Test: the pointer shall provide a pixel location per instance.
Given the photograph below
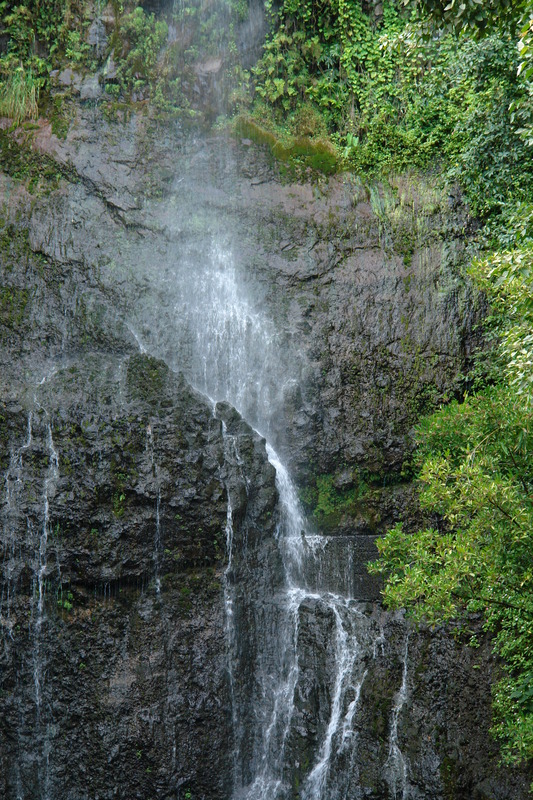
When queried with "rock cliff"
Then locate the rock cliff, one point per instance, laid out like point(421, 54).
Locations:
point(116, 678)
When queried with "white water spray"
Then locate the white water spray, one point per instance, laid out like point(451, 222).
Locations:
point(233, 353)
point(228, 349)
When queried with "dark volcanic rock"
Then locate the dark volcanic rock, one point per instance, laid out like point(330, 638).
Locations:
point(116, 653)
point(374, 321)
point(113, 667)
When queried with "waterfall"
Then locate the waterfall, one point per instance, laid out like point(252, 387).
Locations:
point(231, 351)
point(222, 340)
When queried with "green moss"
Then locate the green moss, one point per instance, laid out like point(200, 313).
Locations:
point(416, 387)
point(329, 504)
point(119, 499)
point(405, 241)
point(147, 378)
point(40, 172)
point(298, 151)
point(332, 503)
point(13, 302)
point(60, 115)
point(448, 774)
point(410, 210)
point(14, 244)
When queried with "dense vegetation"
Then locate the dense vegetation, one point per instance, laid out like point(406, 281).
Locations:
point(393, 98)
point(132, 53)
point(476, 471)
point(36, 36)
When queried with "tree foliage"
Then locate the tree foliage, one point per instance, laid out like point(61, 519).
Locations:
point(507, 278)
point(393, 99)
point(477, 18)
point(476, 474)
point(474, 16)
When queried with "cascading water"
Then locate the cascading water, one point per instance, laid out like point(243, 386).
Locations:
point(42, 725)
point(232, 352)
point(49, 483)
point(231, 456)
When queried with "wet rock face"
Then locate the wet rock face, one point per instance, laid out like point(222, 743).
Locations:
point(113, 665)
point(442, 720)
point(415, 716)
point(369, 294)
point(370, 321)
point(373, 321)
point(115, 675)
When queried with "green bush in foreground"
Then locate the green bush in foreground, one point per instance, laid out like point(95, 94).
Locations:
point(476, 474)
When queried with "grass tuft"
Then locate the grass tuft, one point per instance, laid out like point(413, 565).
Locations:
point(19, 95)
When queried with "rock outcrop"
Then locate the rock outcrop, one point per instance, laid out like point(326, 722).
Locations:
point(113, 632)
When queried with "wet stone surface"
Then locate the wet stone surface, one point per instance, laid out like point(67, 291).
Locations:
point(120, 675)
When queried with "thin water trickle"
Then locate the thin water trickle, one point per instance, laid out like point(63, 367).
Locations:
point(156, 557)
point(43, 725)
point(13, 485)
point(396, 764)
point(49, 483)
point(142, 348)
point(348, 733)
point(157, 541)
point(231, 452)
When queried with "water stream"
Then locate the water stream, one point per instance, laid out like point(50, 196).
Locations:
point(233, 353)
point(396, 766)
point(42, 565)
point(43, 726)
point(231, 454)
